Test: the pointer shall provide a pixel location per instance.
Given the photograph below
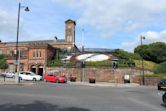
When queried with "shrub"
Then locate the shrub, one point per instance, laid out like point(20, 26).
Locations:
point(51, 63)
point(3, 63)
point(147, 64)
point(99, 64)
point(161, 68)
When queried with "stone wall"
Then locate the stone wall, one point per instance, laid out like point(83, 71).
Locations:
point(150, 81)
point(101, 74)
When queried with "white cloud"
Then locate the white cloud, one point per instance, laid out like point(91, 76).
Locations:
point(8, 27)
point(114, 16)
point(7, 24)
point(150, 37)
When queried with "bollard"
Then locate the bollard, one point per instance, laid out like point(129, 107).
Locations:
point(4, 77)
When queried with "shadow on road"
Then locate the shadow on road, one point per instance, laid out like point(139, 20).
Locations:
point(38, 106)
point(163, 105)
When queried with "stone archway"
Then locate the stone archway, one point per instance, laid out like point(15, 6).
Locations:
point(33, 68)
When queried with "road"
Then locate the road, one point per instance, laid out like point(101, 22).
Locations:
point(66, 97)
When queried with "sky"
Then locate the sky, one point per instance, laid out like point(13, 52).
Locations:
point(112, 24)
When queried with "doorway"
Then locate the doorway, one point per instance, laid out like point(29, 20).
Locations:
point(40, 70)
point(33, 69)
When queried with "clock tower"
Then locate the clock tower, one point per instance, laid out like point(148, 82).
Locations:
point(70, 31)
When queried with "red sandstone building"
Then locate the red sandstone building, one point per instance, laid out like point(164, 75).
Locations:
point(33, 55)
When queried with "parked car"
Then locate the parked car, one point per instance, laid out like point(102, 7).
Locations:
point(164, 98)
point(30, 76)
point(8, 74)
point(162, 85)
point(54, 78)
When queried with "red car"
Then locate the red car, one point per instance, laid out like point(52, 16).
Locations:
point(54, 78)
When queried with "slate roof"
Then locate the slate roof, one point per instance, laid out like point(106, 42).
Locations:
point(51, 42)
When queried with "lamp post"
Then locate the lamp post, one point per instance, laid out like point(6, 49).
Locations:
point(143, 76)
point(83, 61)
point(18, 23)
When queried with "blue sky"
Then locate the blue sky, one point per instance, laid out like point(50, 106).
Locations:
point(107, 23)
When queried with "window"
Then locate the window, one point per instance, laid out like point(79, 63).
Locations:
point(21, 53)
point(8, 52)
point(27, 73)
point(40, 53)
point(70, 39)
point(37, 53)
point(34, 54)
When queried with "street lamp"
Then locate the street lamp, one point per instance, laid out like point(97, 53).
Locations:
point(82, 48)
point(83, 61)
point(18, 23)
point(143, 76)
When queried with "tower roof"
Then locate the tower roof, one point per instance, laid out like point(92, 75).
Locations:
point(70, 21)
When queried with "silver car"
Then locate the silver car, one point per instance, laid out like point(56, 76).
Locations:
point(30, 76)
point(9, 74)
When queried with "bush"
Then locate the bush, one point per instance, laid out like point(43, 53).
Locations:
point(147, 64)
point(126, 63)
point(161, 68)
point(99, 64)
point(121, 54)
point(52, 63)
point(3, 63)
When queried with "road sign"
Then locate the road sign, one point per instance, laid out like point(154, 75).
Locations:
point(16, 62)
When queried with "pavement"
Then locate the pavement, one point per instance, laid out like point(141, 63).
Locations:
point(11, 81)
point(105, 84)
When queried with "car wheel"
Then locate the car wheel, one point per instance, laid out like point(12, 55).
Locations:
point(164, 98)
point(20, 78)
point(34, 79)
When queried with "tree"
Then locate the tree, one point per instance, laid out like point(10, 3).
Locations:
point(155, 52)
point(3, 64)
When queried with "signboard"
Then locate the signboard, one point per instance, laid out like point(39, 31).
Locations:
point(126, 77)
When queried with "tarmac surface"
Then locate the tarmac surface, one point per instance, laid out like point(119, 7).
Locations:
point(42, 96)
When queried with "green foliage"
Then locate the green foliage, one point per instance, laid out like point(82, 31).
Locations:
point(161, 68)
point(3, 64)
point(52, 63)
point(147, 64)
point(99, 64)
point(121, 54)
point(155, 52)
point(126, 59)
point(62, 53)
point(125, 63)
point(70, 64)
